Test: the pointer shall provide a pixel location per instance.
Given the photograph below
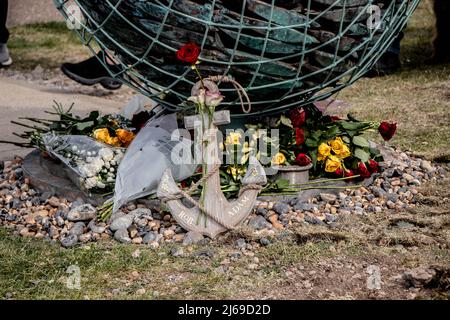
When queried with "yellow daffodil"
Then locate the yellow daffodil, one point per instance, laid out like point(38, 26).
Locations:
point(126, 137)
point(233, 138)
point(332, 164)
point(323, 151)
point(233, 171)
point(336, 145)
point(278, 159)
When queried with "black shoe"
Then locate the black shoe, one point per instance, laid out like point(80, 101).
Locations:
point(90, 72)
point(389, 63)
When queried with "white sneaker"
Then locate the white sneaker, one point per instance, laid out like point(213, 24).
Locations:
point(5, 59)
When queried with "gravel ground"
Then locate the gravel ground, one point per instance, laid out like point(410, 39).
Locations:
point(37, 215)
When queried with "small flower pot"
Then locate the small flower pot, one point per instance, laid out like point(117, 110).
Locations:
point(294, 174)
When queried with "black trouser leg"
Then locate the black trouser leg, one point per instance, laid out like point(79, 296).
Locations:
point(442, 38)
point(4, 34)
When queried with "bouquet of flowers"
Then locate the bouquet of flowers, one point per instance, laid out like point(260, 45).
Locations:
point(94, 164)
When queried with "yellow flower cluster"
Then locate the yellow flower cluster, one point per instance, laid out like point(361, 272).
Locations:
point(123, 137)
point(333, 152)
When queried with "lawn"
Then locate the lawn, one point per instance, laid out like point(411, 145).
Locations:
point(310, 262)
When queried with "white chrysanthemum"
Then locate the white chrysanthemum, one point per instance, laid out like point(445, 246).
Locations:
point(91, 183)
point(86, 170)
point(101, 185)
point(97, 164)
point(106, 154)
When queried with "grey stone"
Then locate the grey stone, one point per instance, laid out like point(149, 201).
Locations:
point(426, 165)
point(139, 212)
point(392, 197)
point(95, 228)
point(368, 181)
point(122, 222)
point(419, 277)
point(262, 212)
point(264, 241)
point(149, 237)
point(77, 229)
point(330, 217)
point(241, 243)
point(177, 252)
point(82, 213)
point(59, 221)
point(378, 192)
point(69, 241)
point(204, 253)
point(304, 206)
point(386, 186)
point(281, 208)
point(328, 197)
point(122, 236)
point(314, 220)
point(192, 237)
point(259, 223)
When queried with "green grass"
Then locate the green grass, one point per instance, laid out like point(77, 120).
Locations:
point(44, 44)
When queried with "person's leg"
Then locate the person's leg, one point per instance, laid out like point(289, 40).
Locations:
point(442, 39)
point(4, 34)
point(5, 59)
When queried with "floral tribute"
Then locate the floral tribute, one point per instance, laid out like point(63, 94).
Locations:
point(333, 147)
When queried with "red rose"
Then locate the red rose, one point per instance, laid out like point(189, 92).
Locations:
point(335, 118)
point(299, 136)
point(387, 130)
point(349, 173)
point(339, 172)
point(302, 159)
point(298, 117)
point(189, 53)
point(183, 184)
point(373, 166)
point(139, 120)
point(362, 171)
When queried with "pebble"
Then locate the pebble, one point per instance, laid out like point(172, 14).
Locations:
point(328, 197)
point(149, 237)
point(259, 223)
point(192, 237)
point(122, 236)
point(82, 213)
point(264, 241)
point(69, 241)
point(177, 252)
point(281, 208)
point(122, 222)
point(77, 229)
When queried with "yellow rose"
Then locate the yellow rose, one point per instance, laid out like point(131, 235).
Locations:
point(278, 159)
point(345, 152)
point(336, 145)
point(101, 135)
point(125, 136)
point(333, 163)
point(323, 151)
point(233, 138)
